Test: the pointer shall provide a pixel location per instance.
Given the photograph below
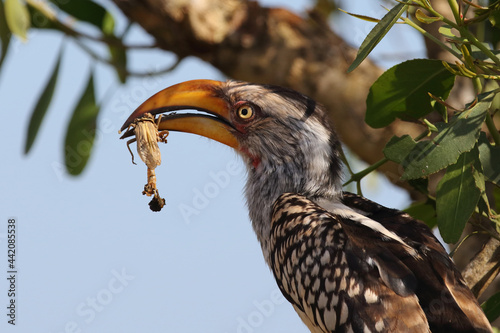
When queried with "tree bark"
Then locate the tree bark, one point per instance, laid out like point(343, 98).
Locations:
point(270, 45)
point(481, 271)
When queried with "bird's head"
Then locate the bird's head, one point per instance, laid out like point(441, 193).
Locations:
point(283, 136)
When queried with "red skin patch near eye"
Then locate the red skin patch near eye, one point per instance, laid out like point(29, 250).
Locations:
point(254, 159)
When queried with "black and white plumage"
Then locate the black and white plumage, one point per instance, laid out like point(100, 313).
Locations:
point(345, 263)
point(346, 275)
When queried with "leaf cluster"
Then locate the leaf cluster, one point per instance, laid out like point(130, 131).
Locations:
point(464, 143)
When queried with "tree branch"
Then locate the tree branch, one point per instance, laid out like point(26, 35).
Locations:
point(481, 271)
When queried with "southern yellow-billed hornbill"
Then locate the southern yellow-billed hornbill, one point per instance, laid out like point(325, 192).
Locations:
point(345, 263)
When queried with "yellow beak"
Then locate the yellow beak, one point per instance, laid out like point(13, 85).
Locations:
point(201, 95)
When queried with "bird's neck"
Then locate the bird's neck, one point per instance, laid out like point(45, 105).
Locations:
point(315, 174)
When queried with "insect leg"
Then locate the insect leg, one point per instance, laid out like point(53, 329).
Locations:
point(128, 146)
point(158, 120)
point(162, 136)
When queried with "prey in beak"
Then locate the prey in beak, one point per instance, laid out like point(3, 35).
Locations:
point(199, 95)
point(147, 136)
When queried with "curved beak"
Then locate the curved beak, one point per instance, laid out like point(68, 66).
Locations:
point(201, 95)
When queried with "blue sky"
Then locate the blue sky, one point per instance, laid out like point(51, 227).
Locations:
point(91, 255)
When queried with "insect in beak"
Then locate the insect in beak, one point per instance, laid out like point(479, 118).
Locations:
point(147, 136)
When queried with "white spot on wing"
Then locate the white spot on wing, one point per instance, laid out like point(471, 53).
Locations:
point(379, 325)
point(330, 319)
point(329, 285)
point(343, 283)
point(344, 312)
point(354, 290)
point(325, 258)
point(315, 270)
point(322, 300)
point(315, 286)
point(370, 296)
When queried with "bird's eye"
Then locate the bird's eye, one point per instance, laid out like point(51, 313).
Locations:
point(245, 112)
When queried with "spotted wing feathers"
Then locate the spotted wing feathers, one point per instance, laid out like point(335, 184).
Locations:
point(344, 273)
point(448, 303)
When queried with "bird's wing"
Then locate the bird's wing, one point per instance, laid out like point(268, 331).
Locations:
point(447, 301)
point(333, 284)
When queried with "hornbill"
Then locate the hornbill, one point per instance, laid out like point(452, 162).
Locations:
point(345, 263)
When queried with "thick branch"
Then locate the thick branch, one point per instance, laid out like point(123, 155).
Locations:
point(481, 271)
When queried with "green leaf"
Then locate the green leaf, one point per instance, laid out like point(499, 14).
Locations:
point(478, 54)
point(496, 196)
point(397, 148)
point(403, 91)
point(420, 184)
point(456, 137)
point(119, 59)
point(492, 30)
point(361, 17)
point(490, 159)
point(4, 34)
point(447, 31)
point(422, 17)
point(108, 24)
point(457, 196)
point(84, 10)
point(17, 17)
point(491, 307)
point(41, 106)
point(81, 131)
point(483, 204)
point(493, 85)
point(424, 211)
point(117, 54)
point(377, 33)
point(441, 109)
point(494, 17)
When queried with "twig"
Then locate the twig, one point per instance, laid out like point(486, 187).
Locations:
point(97, 57)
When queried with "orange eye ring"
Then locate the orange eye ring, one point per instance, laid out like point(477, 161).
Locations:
point(245, 112)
